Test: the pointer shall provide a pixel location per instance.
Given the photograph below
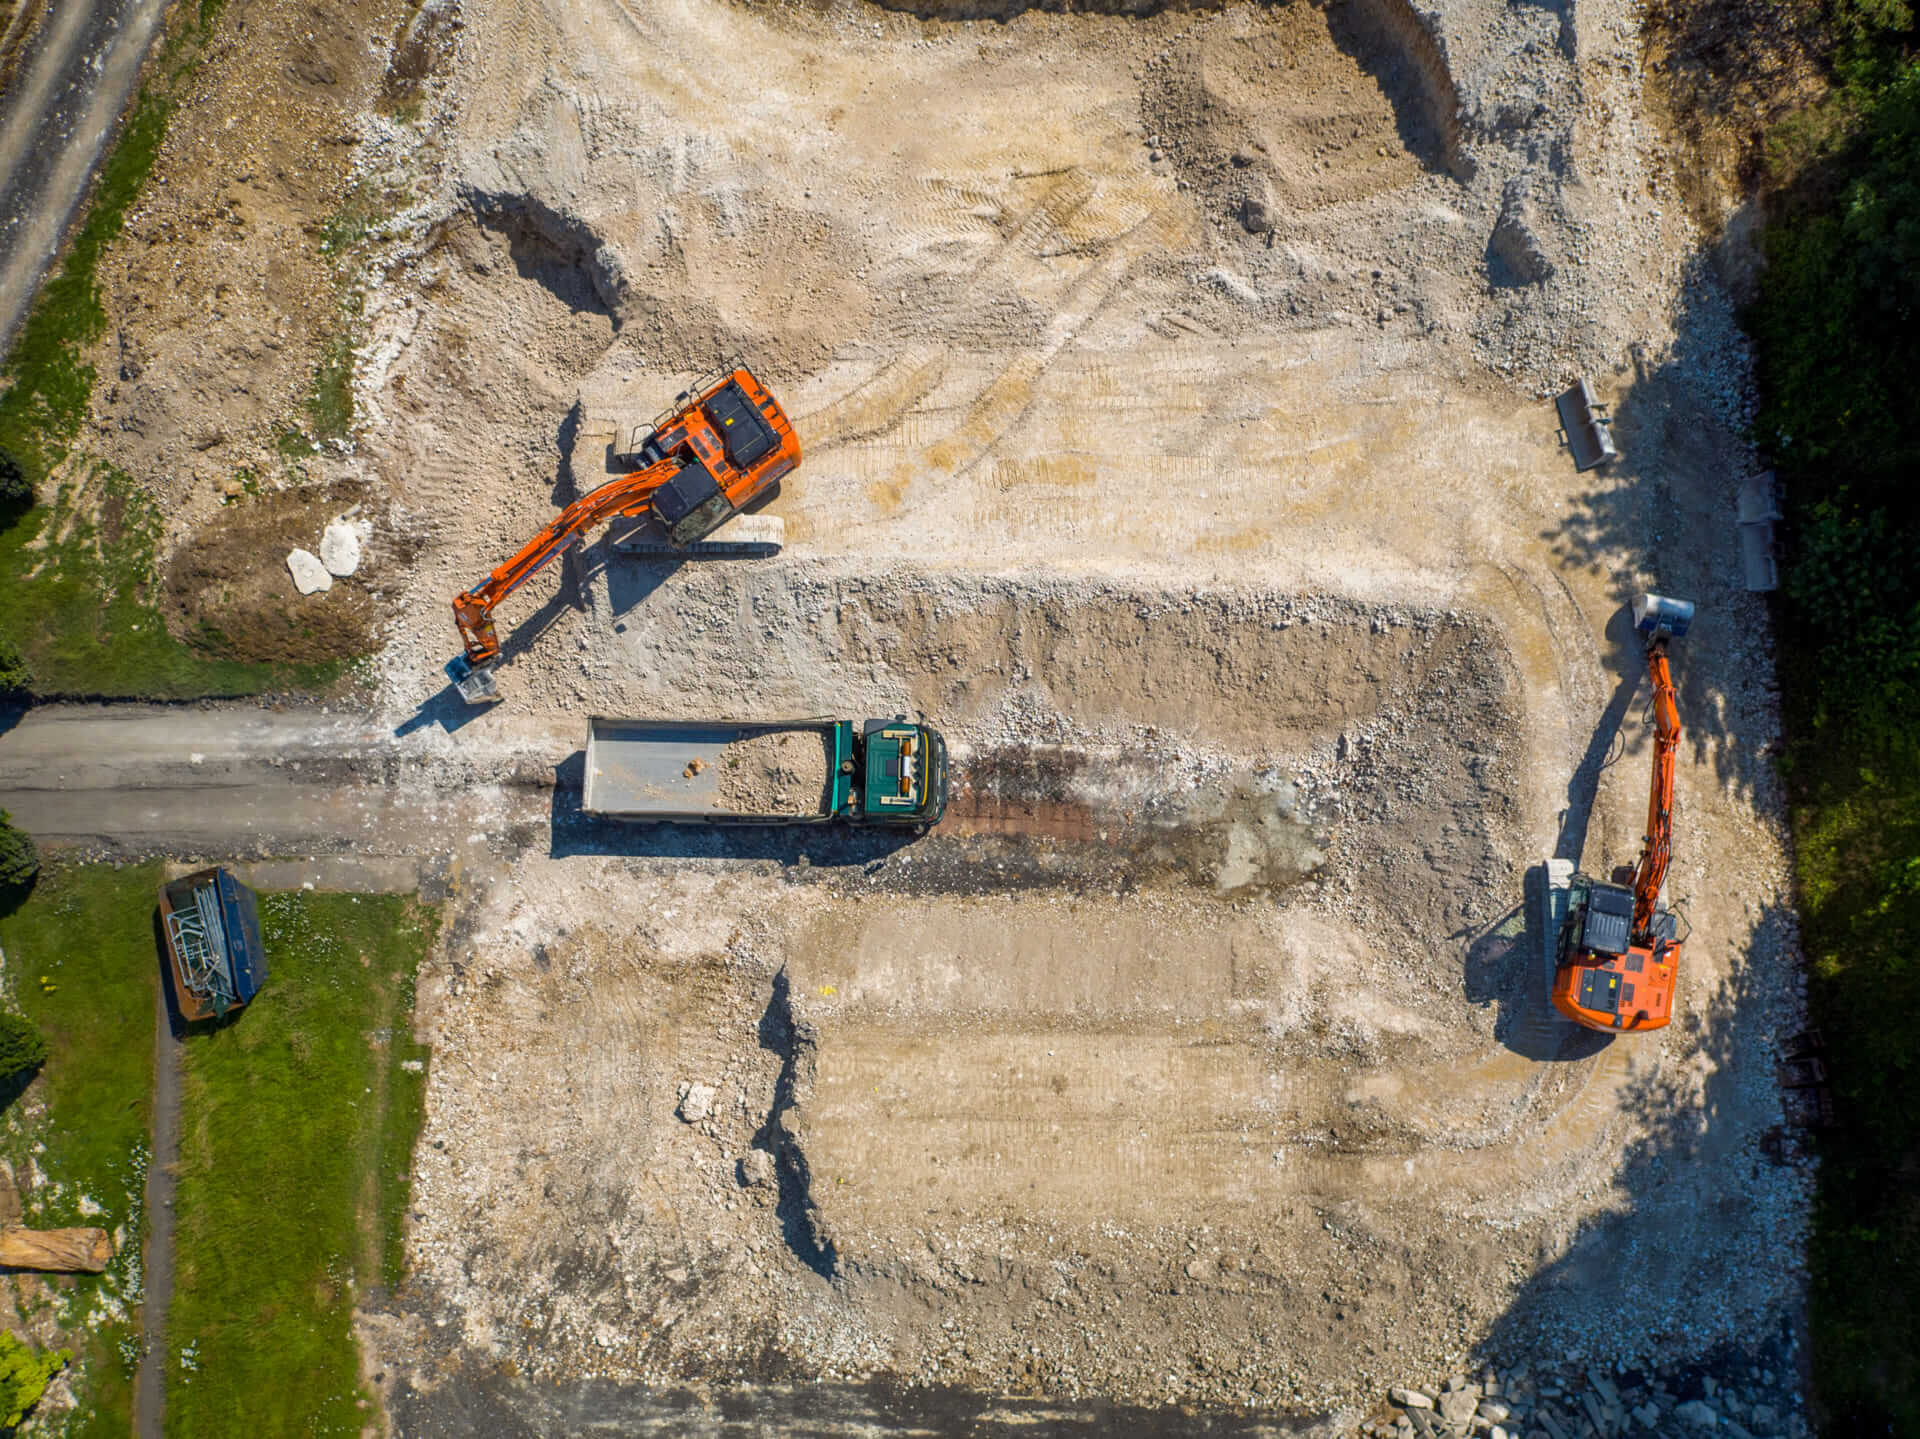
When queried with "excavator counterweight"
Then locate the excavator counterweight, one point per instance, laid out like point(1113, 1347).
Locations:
point(723, 444)
point(1618, 949)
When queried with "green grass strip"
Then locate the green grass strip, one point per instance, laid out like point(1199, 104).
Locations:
point(298, 1129)
point(82, 964)
point(48, 382)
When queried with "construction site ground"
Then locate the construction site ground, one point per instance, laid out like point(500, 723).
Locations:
point(1173, 389)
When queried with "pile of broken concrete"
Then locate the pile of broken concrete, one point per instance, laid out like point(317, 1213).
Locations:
point(1517, 1406)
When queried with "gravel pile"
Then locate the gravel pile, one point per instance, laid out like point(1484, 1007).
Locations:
point(783, 773)
point(1744, 1400)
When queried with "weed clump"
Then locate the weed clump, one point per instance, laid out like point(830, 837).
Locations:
point(24, 1375)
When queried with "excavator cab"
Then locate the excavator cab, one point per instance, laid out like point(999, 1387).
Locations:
point(691, 505)
point(1603, 977)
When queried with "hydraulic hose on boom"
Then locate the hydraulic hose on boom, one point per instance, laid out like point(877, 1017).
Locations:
point(725, 443)
point(1656, 853)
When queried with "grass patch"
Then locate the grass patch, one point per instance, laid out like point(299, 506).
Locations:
point(77, 585)
point(84, 1123)
point(297, 1136)
point(330, 402)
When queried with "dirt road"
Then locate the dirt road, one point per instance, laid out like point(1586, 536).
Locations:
point(66, 100)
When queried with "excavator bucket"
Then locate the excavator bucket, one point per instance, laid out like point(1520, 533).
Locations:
point(1658, 618)
point(475, 685)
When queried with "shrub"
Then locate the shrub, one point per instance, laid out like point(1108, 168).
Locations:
point(19, 860)
point(1836, 323)
point(1854, 581)
point(22, 1046)
point(15, 491)
point(24, 1372)
point(15, 677)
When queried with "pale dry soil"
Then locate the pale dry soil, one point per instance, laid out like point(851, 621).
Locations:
point(1201, 1056)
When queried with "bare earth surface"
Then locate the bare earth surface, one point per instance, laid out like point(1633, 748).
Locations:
point(1172, 394)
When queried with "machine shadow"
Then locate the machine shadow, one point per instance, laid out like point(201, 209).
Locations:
point(1509, 966)
point(1607, 745)
point(444, 708)
point(1709, 1180)
point(1509, 963)
point(1663, 517)
point(632, 580)
point(819, 847)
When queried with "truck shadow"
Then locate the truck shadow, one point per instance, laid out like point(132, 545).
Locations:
point(826, 846)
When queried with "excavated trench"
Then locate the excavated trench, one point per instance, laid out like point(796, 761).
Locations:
point(1105, 735)
point(1400, 47)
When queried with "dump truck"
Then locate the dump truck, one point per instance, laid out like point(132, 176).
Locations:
point(803, 771)
point(211, 925)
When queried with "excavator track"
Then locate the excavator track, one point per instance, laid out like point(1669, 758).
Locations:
point(745, 537)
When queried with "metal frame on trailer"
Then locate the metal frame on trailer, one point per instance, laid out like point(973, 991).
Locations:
point(200, 939)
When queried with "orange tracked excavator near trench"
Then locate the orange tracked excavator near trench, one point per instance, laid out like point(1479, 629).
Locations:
point(722, 445)
point(1619, 948)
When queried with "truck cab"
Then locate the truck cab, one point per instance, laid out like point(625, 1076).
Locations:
point(896, 775)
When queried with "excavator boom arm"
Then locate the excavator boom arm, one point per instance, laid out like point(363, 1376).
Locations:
point(1650, 875)
point(473, 610)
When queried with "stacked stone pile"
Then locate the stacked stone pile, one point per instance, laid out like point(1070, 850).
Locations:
point(1754, 1404)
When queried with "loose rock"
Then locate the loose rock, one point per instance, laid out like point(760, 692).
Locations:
point(340, 548)
point(309, 574)
point(696, 1102)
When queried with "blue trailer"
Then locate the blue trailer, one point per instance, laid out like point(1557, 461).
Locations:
point(211, 924)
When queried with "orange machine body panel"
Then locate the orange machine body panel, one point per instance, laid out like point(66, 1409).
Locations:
point(1617, 993)
point(722, 446)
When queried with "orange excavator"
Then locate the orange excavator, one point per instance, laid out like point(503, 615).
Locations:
point(1619, 950)
point(722, 445)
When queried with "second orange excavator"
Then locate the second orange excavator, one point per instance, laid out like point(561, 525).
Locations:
point(725, 443)
point(1618, 948)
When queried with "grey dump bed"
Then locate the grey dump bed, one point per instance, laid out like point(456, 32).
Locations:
point(670, 769)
